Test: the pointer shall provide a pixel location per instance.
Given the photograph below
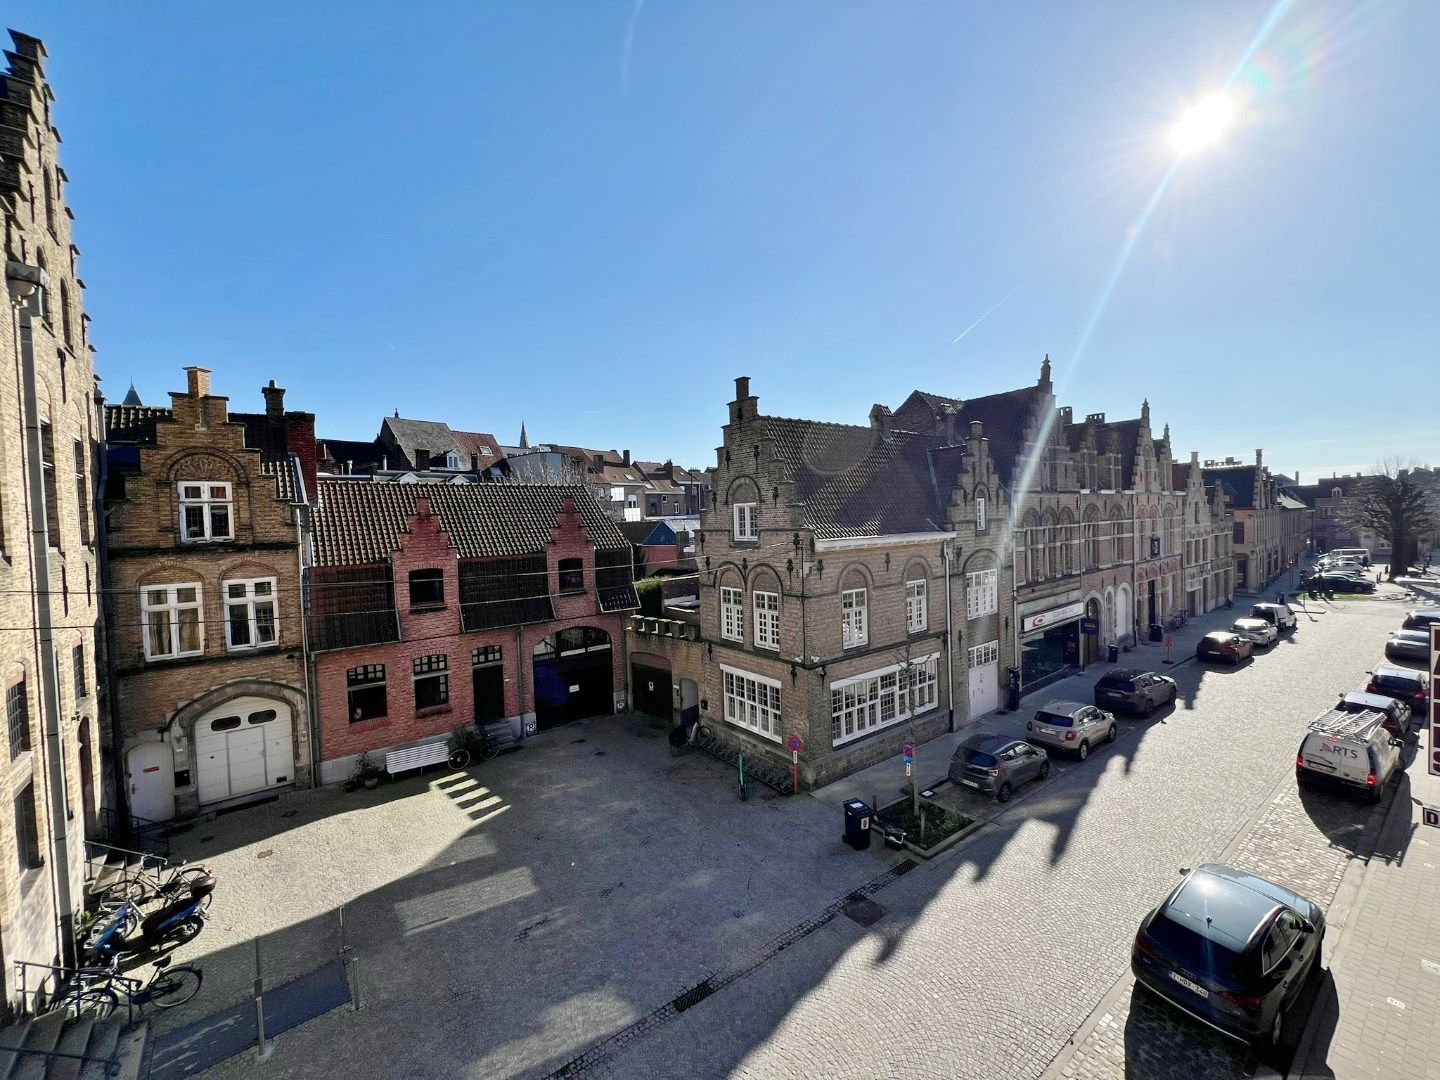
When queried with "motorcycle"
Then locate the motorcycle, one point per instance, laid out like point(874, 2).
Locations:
point(126, 932)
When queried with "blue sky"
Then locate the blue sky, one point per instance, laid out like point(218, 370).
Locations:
point(595, 215)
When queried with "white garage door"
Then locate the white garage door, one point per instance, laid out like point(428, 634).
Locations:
point(984, 678)
point(242, 747)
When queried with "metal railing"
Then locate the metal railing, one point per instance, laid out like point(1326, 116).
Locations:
point(55, 987)
point(98, 856)
point(130, 829)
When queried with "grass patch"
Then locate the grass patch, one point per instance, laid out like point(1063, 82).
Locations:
point(940, 822)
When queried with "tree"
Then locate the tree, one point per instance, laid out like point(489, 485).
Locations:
point(1398, 504)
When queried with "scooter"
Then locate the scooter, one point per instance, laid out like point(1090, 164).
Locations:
point(177, 922)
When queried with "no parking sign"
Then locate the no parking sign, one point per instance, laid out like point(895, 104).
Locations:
point(1434, 703)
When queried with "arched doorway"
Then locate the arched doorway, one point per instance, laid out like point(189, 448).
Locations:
point(1123, 624)
point(574, 676)
point(87, 775)
point(1090, 643)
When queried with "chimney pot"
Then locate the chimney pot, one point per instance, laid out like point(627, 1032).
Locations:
point(742, 387)
point(625, 456)
point(1259, 457)
point(274, 400)
point(198, 381)
point(977, 429)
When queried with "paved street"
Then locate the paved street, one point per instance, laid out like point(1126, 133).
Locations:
point(544, 913)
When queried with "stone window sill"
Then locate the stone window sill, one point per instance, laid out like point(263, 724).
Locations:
point(426, 609)
point(370, 722)
point(433, 710)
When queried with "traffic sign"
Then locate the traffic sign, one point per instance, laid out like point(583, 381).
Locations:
point(795, 744)
point(1431, 816)
point(909, 754)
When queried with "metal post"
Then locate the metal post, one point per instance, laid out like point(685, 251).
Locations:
point(262, 1051)
point(352, 968)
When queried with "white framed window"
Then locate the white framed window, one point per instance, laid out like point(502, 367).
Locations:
point(745, 527)
point(989, 653)
point(877, 699)
point(916, 614)
point(855, 616)
point(767, 620)
point(982, 593)
point(250, 613)
point(205, 511)
point(752, 702)
point(979, 515)
point(172, 623)
point(732, 614)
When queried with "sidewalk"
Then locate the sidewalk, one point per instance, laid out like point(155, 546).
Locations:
point(886, 779)
point(1376, 1015)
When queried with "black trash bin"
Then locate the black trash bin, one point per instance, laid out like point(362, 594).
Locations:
point(1157, 633)
point(857, 824)
point(1114, 654)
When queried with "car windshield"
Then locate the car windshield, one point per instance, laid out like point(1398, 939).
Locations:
point(1054, 719)
point(1194, 951)
point(1395, 682)
point(979, 757)
point(1116, 682)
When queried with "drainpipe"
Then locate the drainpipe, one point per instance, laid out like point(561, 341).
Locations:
point(948, 548)
point(120, 797)
point(1134, 576)
point(28, 286)
point(303, 549)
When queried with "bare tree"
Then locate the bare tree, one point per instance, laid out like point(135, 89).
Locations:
point(1399, 504)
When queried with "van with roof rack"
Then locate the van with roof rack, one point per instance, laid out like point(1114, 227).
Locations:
point(1349, 749)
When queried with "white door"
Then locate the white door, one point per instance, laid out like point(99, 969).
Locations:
point(984, 678)
point(244, 746)
point(150, 768)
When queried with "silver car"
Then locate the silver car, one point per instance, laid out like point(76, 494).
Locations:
point(1072, 726)
point(1259, 631)
point(996, 764)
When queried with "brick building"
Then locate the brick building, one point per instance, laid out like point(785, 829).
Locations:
point(1208, 534)
point(203, 593)
point(49, 577)
point(434, 606)
point(852, 590)
point(1271, 528)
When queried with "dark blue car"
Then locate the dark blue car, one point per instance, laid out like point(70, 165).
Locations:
point(1231, 949)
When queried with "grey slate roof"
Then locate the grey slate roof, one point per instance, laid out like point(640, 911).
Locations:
point(855, 483)
point(1004, 416)
point(1239, 481)
point(362, 523)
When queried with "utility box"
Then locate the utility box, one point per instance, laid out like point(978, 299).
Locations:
point(857, 824)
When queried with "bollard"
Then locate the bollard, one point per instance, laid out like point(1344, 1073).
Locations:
point(352, 969)
point(262, 1051)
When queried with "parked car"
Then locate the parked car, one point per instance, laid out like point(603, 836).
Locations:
point(1069, 725)
point(1259, 631)
point(1397, 712)
point(1231, 949)
point(1224, 645)
point(1363, 554)
point(1421, 618)
point(1280, 615)
point(997, 764)
point(1411, 687)
point(1348, 750)
point(1408, 645)
point(1134, 691)
point(1344, 583)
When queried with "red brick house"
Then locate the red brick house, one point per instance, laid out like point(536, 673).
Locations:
point(435, 606)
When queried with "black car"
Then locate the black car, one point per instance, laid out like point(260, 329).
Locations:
point(1342, 583)
point(1397, 712)
point(1134, 691)
point(1231, 949)
point(1421, 618)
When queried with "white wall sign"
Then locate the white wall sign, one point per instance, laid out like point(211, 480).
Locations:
point(1052, 617)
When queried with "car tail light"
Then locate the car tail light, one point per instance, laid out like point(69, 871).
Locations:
point(1299, 761)
point(1029, 725)
point(1244, 1001)
point(1069, 736)
point(1144, 947)
point(1371, 780)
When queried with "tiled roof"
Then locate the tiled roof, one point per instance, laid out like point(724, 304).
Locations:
point(359, 454)
point(362, 523)
point(407, 436)
point(136, 424)
point(855, 483)
point(478, 444)
point(1239, 481)
point(133, 423)
point(1287, 501)
point(1005, 417)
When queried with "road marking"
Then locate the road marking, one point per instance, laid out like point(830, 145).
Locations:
point(1430, 966)
point(1397, 1004)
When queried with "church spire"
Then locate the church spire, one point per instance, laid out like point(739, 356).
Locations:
point(1044, 383)
point(524, 439)
point(132, 397)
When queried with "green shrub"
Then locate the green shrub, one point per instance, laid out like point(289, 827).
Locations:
point(651, 600)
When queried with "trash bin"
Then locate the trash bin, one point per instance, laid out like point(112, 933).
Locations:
point(1280, 598)
point(1012, 691)
point(857, 824)
point(1157, 633)
point(1114, 654)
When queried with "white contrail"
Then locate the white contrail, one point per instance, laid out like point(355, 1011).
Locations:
point(993, 308)
point(629, 44)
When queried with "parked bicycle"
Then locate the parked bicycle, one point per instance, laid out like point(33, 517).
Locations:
point(467, 743)
point(101, 991)
point(154, 882)
point(126, 931)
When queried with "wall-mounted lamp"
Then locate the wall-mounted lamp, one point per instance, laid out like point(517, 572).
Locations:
point(710, 649)
point(822, 672)
point(793, 674)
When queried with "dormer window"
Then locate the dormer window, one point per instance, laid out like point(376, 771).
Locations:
point(572, 575)
point(452, 461)
point(427, 589)
point(205, 512)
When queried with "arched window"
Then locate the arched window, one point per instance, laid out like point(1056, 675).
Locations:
point(65, 313)
point(1034, 547)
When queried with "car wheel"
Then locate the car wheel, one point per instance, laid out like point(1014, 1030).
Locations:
point(1149, 707)
point(1002, 793)
point(1044, 769)
point(1084, 750)
point(1112, 733)
point(1174, 695)
point(1273, 1038)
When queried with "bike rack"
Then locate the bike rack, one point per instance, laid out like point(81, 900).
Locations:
point(756, 767)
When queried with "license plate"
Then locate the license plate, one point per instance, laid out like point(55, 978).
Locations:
point(1043, 730)
point(971, 783)
point(1195, 987)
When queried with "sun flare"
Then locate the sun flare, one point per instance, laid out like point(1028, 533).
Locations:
point(1202, 124)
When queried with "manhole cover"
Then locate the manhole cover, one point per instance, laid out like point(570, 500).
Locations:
point(863, 910)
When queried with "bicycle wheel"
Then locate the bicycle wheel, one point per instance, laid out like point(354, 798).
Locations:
point(188, 875)
point(460, 759)
point(173, 986)
point(487, 749)
point(186, 931)
point(96, 1001)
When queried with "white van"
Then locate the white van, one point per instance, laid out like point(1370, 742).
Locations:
point(1349, 750)
point(1362, 555)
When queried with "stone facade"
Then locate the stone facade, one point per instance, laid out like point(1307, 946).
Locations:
point(1271, 530)
point(54, 696)
point(203, 578)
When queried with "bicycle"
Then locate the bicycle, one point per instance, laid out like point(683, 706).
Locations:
point(95, 990)
point(467, 743)
point(149, 885)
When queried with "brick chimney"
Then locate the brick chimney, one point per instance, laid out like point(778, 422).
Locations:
point(197, 407)
point(197, 382)
point(300, 441)
point(625, 457)
point(274, 400)
point(950, 414)
point(745, 406)
point(1259, 458)
point(880, 419)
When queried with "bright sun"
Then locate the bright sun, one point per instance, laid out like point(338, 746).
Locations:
point(1202, 124)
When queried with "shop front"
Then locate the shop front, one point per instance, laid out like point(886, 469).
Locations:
point(1050, 643)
